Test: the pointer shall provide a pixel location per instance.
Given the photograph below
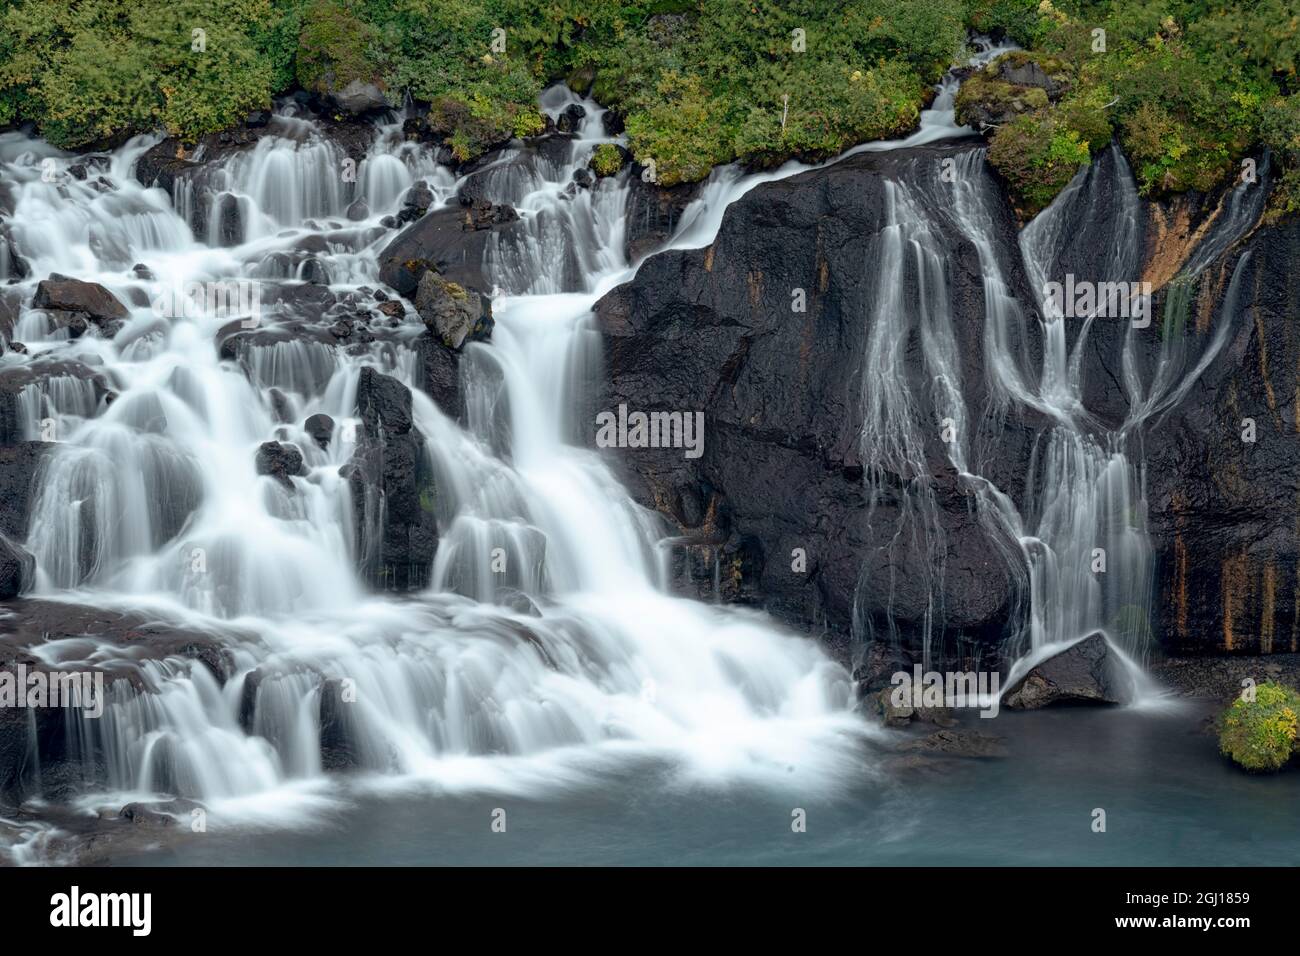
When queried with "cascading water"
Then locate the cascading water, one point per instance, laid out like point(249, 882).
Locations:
point(568, 660)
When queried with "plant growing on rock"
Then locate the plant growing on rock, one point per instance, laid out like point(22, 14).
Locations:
point(1260, 734)
point(1038, 155)
point(606, 160)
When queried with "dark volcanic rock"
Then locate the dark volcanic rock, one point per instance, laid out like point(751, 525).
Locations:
point(1223, 510)
point(652, 213)
point(63, 294)
point(320, 427)
point(17, 569)
point(19, 465)
point(280, 461)
point(570, 118)
point(957, 743)
point(453, 313)
point(337, 748)
point(1084, 673)
point(777, 500)
point(42, 752)
point(393, 491)
point(451, 241)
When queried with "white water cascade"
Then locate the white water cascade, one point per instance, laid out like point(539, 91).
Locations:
point(573, 660)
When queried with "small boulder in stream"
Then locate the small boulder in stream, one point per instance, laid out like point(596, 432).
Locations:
point(1083, 673)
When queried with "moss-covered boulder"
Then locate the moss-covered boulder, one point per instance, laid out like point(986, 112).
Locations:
point(453, 313)
point(1037, 154)
point(1011, 86)
point(1259, 731)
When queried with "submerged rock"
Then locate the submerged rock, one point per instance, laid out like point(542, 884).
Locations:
point(957, 743)
point(1083, 673)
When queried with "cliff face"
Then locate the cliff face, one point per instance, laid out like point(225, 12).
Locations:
point(783, 394)
point(782, 472)
point(1224, 509)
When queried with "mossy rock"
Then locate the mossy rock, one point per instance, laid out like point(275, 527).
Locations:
point(984, 102)
point(1260, 734)
point(606, 160)
point(1012, 85)
point(580, 80)
point(1037, 155)
point(1052, 74)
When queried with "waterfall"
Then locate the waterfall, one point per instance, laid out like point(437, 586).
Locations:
point(571, 659)
point(544, 649)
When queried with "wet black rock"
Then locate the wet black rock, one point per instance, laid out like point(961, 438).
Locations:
point(570, 118)
point(1084, 673)
point(358, 211)
point(20, 464)
point(957, 743)
point(337, 748)
point(453, 313)
point(393, 490)
point(320, 427)
point(451, 241)
point(653, 212)
point(17, 569)
point(65, 294)
point(280, 461)
point(776, 507)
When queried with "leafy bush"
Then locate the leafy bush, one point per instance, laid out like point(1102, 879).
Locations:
point(1261, 734)
point(101, 70)
point(334, 48)
point(1038, 155)
point(606, 160)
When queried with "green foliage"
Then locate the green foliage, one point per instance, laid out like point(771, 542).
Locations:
point(334, 48)
point(1185, 85)
point(606, 160)
point(1261, 734)
point(104, 69)
point(1280, 132)
point(1018, 20)
point(1038, 155)
point(1188, 86)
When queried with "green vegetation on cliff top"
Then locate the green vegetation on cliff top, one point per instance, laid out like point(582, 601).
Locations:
point(1190, 87)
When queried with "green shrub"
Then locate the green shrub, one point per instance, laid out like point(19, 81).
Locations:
point(1018, 20)
point(101, 70)
point(529, 122)
point(606, 160)
point(334, 48)
point(1038, 155)
point(1261, 734)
